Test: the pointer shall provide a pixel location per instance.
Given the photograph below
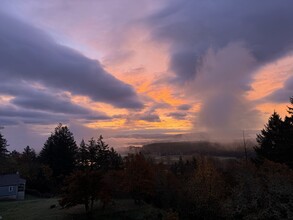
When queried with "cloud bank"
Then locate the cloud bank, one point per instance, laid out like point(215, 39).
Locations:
point(215, 48)
point(37, 74)
point(192, 27)
point(29, 54)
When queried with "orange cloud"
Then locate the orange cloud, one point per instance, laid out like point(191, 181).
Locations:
point(270, 78)
point(267, 80)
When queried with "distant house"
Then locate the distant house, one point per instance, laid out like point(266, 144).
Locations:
point(12, 187)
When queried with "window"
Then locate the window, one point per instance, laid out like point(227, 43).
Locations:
point(21, 188)
point(10, 188)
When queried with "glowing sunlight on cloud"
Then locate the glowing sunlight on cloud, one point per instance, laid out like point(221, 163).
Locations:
point(173, 67)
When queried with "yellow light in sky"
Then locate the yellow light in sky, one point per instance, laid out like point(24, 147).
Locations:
point(267, 80)
point(270, 78)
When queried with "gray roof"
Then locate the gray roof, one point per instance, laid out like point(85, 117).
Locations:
point(11, 180)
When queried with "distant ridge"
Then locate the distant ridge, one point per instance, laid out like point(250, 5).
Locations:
point(196, 147)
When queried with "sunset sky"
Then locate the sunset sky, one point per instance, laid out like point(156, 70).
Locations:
point(143, 70)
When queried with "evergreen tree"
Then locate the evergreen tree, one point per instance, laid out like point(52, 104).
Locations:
point(29, 167)
point(60, 151)
point(28, 154)
point(289, 119)
point(93, 153)
point(96, 155)
point(290, 109)
point(270, 138)
point(288, 151)
point(107, 158)
point(275, 140)
point(7, 165)
point(83, 155)
point(3, 147)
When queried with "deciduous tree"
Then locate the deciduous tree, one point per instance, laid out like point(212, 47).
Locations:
point(82, 187)
point(139, 178)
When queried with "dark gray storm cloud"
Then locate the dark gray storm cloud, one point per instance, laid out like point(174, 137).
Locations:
point(30, 55)
point(34, 105)
point(178, 115)
point(48, 102)
point(149, 114)
point(10, 115)
point(184, 107)
point(41, 99)
point(13, 115)
point(192, 27)
point(149, 117)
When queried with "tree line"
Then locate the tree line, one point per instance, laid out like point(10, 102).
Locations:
point(200, 188)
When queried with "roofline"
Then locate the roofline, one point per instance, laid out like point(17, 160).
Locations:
point(13, 184)
point(9, 185)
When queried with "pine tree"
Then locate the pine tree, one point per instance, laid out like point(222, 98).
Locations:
point(290, 109)
point(288, 152)
point(28, 154)
point(275, 140)
point(96, 155)
point(107, 157)
point(60, 151)
point(3, 146)
point(102, 157)
point(83, 155)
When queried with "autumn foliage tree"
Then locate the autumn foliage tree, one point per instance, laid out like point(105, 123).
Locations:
point(81, 187)
point(139, 177)
point(203, 192)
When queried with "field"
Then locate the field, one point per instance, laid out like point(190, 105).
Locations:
point(35, 209)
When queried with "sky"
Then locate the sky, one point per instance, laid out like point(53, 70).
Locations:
point(143, 71)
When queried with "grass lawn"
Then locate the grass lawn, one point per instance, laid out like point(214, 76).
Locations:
point(39, 209)
point(30, 209)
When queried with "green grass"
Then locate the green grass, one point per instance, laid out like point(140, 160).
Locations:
point(30, 209)
point(39, 209)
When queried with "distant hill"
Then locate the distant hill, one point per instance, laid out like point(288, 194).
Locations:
point(198, 147)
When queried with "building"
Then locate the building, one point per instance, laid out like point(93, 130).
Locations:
point(12, 187)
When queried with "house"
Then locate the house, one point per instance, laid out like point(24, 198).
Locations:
point(12, 187)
